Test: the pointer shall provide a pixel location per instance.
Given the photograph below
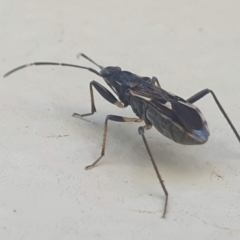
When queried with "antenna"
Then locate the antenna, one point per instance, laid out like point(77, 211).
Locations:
point(50, 63)
point(90, 60)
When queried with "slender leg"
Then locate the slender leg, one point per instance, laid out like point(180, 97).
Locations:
point(141, 132)
point(115, 119)
point(201, 94)
point(104, 93)
point(155, 81)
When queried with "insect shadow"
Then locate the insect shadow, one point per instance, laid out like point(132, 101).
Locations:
point(174, 117)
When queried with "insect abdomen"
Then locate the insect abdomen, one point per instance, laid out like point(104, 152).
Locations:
point(175, 131)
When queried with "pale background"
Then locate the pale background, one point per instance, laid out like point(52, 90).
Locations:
point(45, 191)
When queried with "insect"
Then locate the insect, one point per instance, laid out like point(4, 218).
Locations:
point(176, 118)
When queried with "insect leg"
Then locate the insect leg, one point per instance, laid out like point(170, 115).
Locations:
point(141, 132)
point(201, 94)
point(155, 81)
point(115, 119)
point(104, 93)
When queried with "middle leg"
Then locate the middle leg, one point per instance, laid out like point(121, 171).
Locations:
point(156, 82)
point(115, 119)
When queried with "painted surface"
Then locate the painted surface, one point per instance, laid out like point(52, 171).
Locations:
point(45, 191)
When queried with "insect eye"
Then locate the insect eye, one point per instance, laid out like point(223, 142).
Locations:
point(104, 72)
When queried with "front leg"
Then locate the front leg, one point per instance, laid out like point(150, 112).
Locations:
point(104, 93)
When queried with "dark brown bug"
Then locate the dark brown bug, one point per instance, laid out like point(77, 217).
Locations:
point(176, 118)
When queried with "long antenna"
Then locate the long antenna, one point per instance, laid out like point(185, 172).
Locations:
point(50, 63)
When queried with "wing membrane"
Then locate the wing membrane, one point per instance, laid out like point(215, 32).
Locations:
point(172, 106)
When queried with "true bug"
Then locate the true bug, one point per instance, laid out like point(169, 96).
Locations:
point(174, 117)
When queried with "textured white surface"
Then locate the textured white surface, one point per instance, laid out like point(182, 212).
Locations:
point(45, 191)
